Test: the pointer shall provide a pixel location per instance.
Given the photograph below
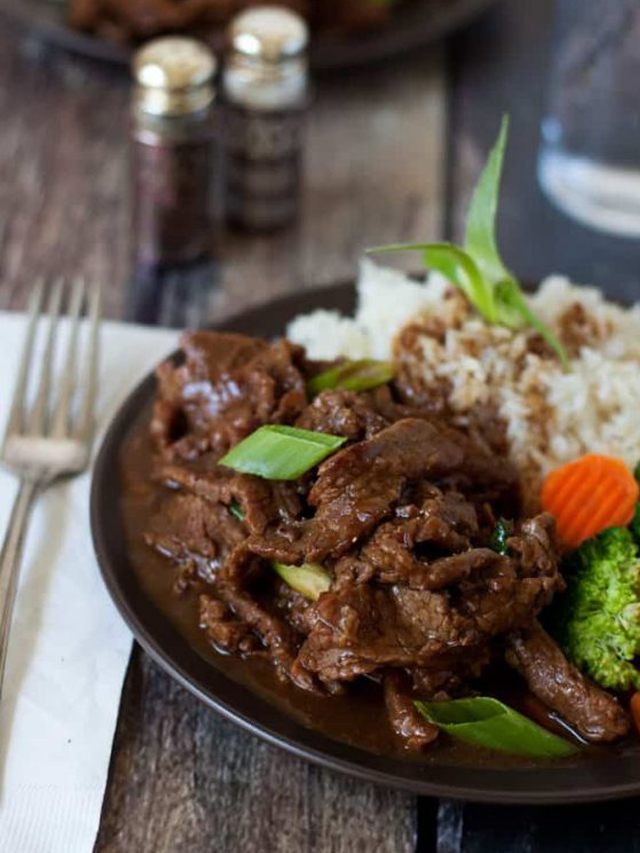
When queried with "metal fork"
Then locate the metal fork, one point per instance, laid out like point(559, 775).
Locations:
point(50, 439)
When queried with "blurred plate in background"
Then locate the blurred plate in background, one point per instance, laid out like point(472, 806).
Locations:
point(414, 24)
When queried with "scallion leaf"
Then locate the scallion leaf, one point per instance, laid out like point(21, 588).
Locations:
point(512, 302)
point(480, 233)
point(485, 721)
point(352, 376)
point(477, 268)
point(236, 510)
point(498, 541)
point(310, 579)
point(281, 452)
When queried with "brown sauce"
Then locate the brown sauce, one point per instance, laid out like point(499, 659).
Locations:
point(358, 717)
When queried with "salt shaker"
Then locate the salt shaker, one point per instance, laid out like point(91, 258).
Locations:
point(265, 95)
point(173, 155)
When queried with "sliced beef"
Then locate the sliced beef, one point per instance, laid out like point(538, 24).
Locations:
point(535, 544)
point(361, 627)
point(223, 629)
point(399, 518)
point(404, 548)
point(343, 413)
point(260, 502)
point(234, 584)
point(405, 719)
point(550, 676)
point(357, 487)
point(228, 386)
point(196, 536)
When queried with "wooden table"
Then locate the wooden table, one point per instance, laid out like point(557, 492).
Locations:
point(392, 153)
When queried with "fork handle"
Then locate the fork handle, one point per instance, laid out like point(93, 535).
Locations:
point(10, 559)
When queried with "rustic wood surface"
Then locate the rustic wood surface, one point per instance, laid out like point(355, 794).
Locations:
point(384, 145)
point(182, 778)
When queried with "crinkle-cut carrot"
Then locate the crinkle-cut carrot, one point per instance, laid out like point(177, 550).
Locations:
point(589, 495)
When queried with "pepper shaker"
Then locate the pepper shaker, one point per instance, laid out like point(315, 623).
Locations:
point(173, 155)
point(265, 94)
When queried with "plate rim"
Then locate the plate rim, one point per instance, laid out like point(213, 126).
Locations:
point(328, 53)
point(359, 763)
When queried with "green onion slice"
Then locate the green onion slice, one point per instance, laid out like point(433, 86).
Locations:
point(236, 510)
point(485, 721)
point(352, 376)
point(310, 579)
point(498, 541)
point(281, 452)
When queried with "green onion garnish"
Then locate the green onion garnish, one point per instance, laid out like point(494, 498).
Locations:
point(236, 510)
point(477, 268)
point(498, 540)
point(352, 376)
point(485, 721)
point(281, 452)
point(310, 579)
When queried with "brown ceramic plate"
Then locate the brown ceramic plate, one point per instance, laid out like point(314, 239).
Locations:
point(415, 24)
point(601, 776)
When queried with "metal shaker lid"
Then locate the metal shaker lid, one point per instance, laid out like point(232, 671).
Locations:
point(174, 76)
point(269, 33)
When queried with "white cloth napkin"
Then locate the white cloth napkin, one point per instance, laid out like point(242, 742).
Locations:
point(69, 648)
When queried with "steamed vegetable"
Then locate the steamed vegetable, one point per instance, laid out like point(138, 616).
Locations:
point(281, 452)
point(597, 620)
point(589, 495)
point(352, 376)
point(634, 525)
point(485, 721)
point(477, 268)
point(310, 579)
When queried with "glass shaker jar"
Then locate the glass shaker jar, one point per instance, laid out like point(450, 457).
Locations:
point(173, 153)
point(265, 94)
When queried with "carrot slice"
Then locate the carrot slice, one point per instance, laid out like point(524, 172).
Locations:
point(635, 710)
point(589, 495)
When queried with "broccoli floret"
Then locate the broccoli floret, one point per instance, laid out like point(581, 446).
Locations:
point(634, 525)
point(598, 618)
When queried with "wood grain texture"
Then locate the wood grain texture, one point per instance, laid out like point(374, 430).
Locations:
point(373, 174)
point(182, 778)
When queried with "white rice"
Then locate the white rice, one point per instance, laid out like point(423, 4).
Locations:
point(552, 416)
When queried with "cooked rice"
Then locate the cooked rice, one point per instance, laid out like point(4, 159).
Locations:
point(552, 416)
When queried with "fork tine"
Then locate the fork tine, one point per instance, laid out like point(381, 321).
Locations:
point(16, 416)
point(37, 418)
point(84, 424)
point(60, 422)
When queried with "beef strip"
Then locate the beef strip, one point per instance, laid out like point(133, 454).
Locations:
point(227, 633)
point(343, 413)
point(261, 502)
point(405, 719)
point(194, 535)
point(399, 519)
point(357, 487)
point(228, 386)
point(593, 712)
point(362, 626)
point(237, 576)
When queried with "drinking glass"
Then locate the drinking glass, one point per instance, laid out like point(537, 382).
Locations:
point(589, 161)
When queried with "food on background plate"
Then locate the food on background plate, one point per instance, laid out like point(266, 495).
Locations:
point(130, 21)
point(363, 500)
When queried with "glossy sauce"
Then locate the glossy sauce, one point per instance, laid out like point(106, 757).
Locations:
point(358, 717)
